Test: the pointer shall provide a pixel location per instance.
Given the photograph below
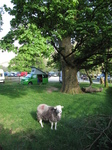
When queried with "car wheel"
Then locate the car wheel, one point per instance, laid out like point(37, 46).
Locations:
point(30, 83)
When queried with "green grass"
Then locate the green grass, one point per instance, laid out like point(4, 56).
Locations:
point(19, 129)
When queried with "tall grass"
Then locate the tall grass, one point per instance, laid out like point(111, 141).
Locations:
point(19, 129)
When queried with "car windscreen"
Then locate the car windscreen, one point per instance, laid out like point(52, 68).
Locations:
point(28, 76)
point(1, 74)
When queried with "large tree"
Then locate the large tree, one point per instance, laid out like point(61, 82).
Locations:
point(79, 31)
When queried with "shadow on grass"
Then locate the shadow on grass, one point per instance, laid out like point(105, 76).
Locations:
point(17, 90)
point(106, 105)
point(12, 90)
point(34, 115)
point(109, 95)
point(65, 137)
point(31, 139)
point(71, 134)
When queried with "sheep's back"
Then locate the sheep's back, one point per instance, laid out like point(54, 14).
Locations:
point(42, 108)
point(42, 112)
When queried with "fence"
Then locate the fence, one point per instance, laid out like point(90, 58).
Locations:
point(11, 80)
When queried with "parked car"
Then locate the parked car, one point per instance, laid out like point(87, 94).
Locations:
point(102, 75)
point(55, 74)
point(51, 73)
point(11, 74)
point(84, 77)
point(2, 78)
point(18, 74)
point(23, 74)
point(5, 74)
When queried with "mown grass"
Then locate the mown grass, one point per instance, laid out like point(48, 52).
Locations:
point(19, 129)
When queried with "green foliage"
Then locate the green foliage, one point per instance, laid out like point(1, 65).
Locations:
point(31, 51)
point(88, 22)
point(33, 41)
point(24, 62)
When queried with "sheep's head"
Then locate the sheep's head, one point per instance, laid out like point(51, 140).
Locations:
point(59, 109)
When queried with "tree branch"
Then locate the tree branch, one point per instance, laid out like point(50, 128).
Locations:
point(64, 57)
point(103, 132)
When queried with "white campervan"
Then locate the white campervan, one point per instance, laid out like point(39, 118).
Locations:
point(2, 78)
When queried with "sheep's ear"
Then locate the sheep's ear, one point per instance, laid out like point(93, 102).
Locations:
point(62, 106)
point(55, 107)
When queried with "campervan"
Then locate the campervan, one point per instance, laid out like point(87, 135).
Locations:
point(35, 77)
point(2, 78)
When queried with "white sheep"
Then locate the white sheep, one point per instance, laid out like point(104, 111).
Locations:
point(49, 113)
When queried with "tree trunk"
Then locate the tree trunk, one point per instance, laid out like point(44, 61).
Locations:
point(90, 80)
point(70, 83)
point(106, 79)
point(69, 72)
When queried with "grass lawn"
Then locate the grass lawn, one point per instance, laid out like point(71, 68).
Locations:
point(19, 129)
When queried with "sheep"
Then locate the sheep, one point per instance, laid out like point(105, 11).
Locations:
point(49, 113)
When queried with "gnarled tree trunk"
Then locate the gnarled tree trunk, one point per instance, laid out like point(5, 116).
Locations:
point(70, 83)
point(69, 71)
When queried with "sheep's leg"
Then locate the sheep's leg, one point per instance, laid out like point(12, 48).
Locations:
point(51, 125)
point(41, 123)
point(55, 125)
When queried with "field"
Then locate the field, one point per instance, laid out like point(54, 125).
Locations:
point(19, 129)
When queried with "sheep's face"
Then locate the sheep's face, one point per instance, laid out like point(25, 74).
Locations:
point(59, 109)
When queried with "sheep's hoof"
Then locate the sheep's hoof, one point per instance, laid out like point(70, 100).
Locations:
point(42, 126)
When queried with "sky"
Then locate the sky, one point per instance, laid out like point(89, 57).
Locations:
point(5, 57)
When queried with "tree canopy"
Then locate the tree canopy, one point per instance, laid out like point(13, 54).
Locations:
point(79, 30)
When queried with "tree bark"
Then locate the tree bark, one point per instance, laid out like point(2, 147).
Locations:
point(70, 83)
point(91, 90)
point(106, 80)
point(90, 80)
